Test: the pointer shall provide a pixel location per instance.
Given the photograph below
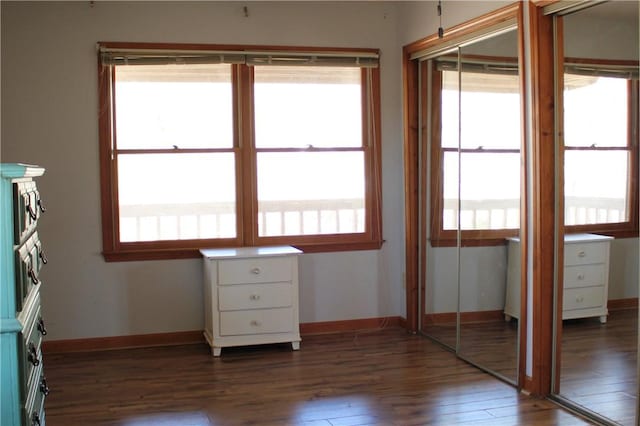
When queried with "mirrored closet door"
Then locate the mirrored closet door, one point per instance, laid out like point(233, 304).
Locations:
point(470, 196)
point(596, 356)
point(489, 193)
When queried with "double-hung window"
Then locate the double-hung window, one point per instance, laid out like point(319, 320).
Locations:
point(601, 148)
point(475, 151)
point(204, 146)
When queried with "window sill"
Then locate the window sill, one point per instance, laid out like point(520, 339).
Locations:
point(194, 253)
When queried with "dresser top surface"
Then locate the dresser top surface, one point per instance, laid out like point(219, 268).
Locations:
point(247, 252)
point(18, 170)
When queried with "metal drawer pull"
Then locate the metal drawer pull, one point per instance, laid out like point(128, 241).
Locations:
point(41, 328)
point(35, 419)
point(254, 297)
point(255, 271)
point(41, 205)
point(255, 323)
point(581, 253)
point(44, 389)
point(42, 256)
point(32, 213)
point(33, 355)
point(32, 275)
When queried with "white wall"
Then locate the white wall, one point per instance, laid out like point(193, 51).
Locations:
point(483, 279)
point(419, 19)
point(49, 117)
point(604, 37)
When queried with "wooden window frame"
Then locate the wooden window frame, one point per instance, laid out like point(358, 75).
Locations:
point(246, 170)
point(628, 228)
point(441, 237)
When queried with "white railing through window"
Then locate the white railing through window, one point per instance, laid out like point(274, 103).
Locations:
point(153, 222)
point(217, 220)
point(505, 214)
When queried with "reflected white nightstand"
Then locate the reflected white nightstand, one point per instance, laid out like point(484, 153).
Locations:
point(586, 277)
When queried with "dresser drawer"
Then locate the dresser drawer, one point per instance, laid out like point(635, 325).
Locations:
point(30, 259)
point(32, 334)
point(27, 209)
point(584, 275)
point(254, 270)
point(585, 253)
point(255, 296)
point(34, 405)
point(583, 298)
point(257, 321)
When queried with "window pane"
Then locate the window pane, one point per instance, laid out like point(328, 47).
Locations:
point(176, 196)
point(450, 110)
point(490, 111)
point(595, 111)
point(489, 191)
point(595, 187)
point(296, 107)
point(310, 193)
point(166, 106)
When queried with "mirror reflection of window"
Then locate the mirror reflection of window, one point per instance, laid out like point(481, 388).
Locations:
point(490, 149)
point(597, 149)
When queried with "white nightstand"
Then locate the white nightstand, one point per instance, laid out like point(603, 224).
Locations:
point(251, 296)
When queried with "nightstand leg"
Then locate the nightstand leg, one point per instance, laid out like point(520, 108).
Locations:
point(603, 319)
point(216, 351)
point(295, 346)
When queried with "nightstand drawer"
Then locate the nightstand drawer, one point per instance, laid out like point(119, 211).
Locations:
point(257, 321)
point(585, 253)
point(255, 270)
point(255, 296)
point(584, 275)
point(583, 298)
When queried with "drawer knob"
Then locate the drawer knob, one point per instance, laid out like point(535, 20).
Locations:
point(32, 275)
point(44, 389)
point(580, 299)
point(255, 323)
point(254, 297)
point(581, 253)
point(33, 355)
point(580, 277)
point(35, 419)
point(41, 328)
point(255, 271)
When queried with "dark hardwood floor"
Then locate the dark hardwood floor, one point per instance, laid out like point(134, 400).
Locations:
point(599, 365)
point(386, 377)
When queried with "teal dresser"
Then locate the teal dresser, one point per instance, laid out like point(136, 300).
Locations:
point(21, 326)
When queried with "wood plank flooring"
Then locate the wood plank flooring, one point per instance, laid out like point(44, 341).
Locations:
point(599, 365)
point(386, 377)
